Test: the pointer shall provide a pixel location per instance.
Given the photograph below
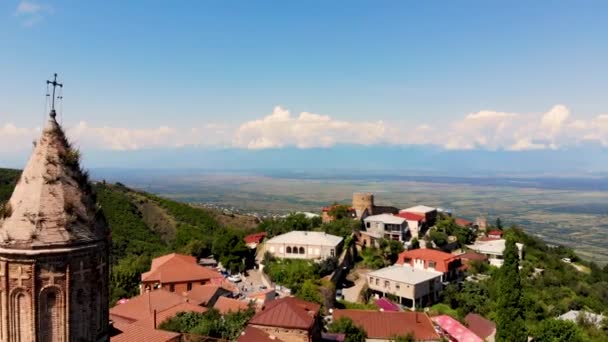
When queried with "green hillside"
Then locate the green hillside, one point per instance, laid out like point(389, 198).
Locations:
point(145, 226)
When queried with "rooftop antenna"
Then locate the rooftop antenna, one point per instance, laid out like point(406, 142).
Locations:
point(55, 84)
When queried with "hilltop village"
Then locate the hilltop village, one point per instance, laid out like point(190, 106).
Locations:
point(84, 261)
point(352, 272)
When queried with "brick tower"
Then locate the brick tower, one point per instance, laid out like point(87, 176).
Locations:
point(54, 248)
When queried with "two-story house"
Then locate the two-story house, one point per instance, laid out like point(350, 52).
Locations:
point(414, 287)
point(384, 226)
point(432, 260)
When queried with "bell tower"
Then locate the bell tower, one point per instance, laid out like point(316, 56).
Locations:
point(54, 249)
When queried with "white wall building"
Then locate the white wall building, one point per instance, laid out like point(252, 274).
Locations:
point(494, 250)
point(304, 245)
point(415, 287)
point(386, 226)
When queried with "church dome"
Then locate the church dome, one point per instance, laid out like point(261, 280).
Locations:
point(53, 204)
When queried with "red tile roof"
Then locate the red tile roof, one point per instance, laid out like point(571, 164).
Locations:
point(177, 268)
point(202, 294)
point(455, 329)
point(482, 327)
point(384, 325)
point(225, 305)
point(463, 222)
point(143, 306)
point(442, 259)
point(138, 333)
point(495, 232)
point(289, 312)
point(411, 216)
point(255, 238)
point(252, 334)
point(470, 256)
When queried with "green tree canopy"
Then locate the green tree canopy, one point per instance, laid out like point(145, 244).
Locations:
point(346, 326)
point(510, 313)
point(557, 330)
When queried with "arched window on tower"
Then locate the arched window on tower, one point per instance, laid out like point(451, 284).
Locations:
point(20, 315)
point(51, 315)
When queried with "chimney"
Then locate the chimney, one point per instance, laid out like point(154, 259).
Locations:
point(154, 318)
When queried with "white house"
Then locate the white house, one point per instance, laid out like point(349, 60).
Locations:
point(413, 286)
point(386, 226)
point(494, 250)
point(429, 213)
point(304, 245)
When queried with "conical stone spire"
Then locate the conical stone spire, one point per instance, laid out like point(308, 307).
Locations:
point(53, 204)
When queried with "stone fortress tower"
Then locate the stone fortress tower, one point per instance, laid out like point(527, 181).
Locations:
point(54, 249)
point(363, 201)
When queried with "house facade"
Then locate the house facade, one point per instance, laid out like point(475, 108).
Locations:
point(304, 245)
point(432, 260)
point(414, 287)
point(493, 249)
point(429, 213)
point(385, 226)
point(177, 273)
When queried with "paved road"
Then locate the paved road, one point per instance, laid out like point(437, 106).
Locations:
point(351, 294)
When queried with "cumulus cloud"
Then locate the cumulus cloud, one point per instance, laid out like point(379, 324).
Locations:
point(32, 12)
point(280, 129)
point(486, 129)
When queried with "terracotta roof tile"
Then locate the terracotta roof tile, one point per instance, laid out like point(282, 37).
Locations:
point(289, 312)
point(441, 259)
point(143, 306)
point(225, 305)
point(177, 268)
point(255, 238)
point(252, 334)
point(202, 294)
point(469, 256)
point(411, 216)
point(383, 325)
point(462, 222)
point(482, 327)
point(138, 333)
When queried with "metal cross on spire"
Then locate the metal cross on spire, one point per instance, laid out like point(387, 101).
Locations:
point(55, 84)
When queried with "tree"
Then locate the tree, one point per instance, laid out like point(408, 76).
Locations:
point(415, 243)
point(498, 223)
point(392, 250)
point(309, 292)
point(510, 313)
point(346, 326)
point(439, 238)
point(339, 211)
point(231, 250)
point(404, 338)
point(557, 330)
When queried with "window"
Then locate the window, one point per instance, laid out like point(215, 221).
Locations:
point(367, 224)
point(397, 287)
point(302, 250)
point(377, 281)
point(432, 264)
point(189, 286)
point(172, 287)
point(387, 283)
point(288, 250)
point(371, 280)
point(332, 252)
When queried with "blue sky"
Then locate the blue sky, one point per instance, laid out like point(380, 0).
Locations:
point(461, 75)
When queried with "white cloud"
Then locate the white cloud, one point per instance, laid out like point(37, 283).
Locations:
point(32, 12)
point(280, 129)
point(487, 129)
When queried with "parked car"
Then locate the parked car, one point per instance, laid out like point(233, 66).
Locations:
point(235, 278)
point(339, 294)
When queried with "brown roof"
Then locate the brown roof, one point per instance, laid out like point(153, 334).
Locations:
point(441, 259)
point(289, 312)
point(482, 327)
point(139, 333)
point(143, 306)
point(225, 305)
point(202, 294)
point(52, 204)
point(252, 334)
point(177, 268)
point(469, 256)
point(462, 222)
point(383, 325)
